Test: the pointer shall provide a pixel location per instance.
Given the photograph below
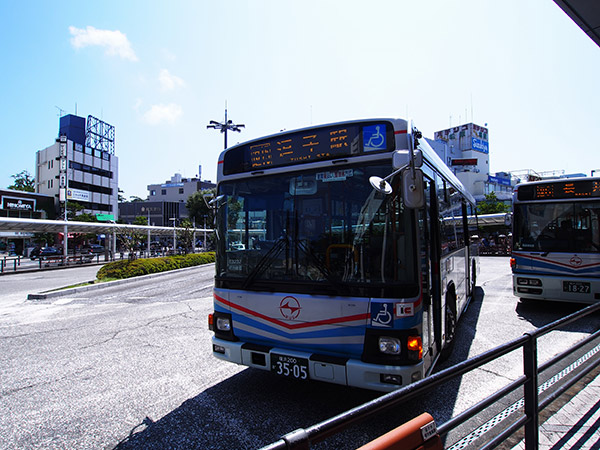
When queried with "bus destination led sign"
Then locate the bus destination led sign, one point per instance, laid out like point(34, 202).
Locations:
point(297, 148)
point(560, 190)
point(316, 144)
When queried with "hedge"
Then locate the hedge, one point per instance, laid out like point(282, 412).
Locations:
point(135, 268)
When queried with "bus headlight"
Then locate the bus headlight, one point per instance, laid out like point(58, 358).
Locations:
point(389, 345)
point(223, 324)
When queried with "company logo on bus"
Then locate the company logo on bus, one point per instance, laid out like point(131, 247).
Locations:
point(290, 308)
point(575, 261)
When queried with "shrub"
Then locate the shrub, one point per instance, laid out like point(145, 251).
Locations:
point(128, 269)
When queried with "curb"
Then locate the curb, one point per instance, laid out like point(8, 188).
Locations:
point(93, 287)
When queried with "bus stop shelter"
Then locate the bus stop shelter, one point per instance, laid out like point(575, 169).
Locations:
point(107, 228)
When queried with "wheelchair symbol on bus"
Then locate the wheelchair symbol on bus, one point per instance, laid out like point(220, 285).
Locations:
point(374, 138)
point(382, 317)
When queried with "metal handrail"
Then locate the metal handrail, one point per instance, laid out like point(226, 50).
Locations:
point(303, 438)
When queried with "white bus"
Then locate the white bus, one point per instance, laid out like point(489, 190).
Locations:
point(343, 254)
point(556, 240)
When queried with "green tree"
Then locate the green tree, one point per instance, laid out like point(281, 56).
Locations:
point(234, 208)
point(491, 205)
point(140, 220)
point(185, 237)
point(24, 181)
point(141, 237)
point(198, 209)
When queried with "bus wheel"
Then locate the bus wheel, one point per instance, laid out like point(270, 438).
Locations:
point(473, 278)
point(450, 332)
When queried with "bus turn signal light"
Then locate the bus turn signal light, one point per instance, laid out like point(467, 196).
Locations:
point(211, 326)
point(415, 347)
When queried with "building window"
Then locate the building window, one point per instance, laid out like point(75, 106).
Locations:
point(163, 192)
point(152, 192)
point(181, 190)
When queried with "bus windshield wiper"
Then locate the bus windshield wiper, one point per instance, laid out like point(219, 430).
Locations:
point(265, 261)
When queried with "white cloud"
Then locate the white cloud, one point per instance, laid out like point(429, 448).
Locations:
point(138, 104)
point(115, 42)
point(158, 114)
point(169, 81)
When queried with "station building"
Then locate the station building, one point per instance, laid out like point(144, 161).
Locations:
point(158, 213)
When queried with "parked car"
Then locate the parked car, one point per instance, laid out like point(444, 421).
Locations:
point(41, 252)
point(93, 248)
point(35, 252)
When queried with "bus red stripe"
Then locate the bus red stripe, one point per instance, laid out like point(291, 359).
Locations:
point(296, 325)
point(400, 131)
point(558, 263)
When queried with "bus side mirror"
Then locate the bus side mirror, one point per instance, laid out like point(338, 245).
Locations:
point(413, 193)
point(401, 158)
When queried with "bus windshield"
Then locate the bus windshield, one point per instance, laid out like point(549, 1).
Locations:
point(571, 227)
point(325, 231)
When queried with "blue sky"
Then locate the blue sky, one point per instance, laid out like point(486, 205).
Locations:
point(160, 71)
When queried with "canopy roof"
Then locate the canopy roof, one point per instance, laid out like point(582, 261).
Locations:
point(58, 226)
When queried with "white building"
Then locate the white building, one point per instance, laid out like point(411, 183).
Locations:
point(465, 149)
point(178, 189)
point(90, 174)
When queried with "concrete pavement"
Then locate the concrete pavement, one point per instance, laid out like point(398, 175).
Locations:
point(576, 424)
point(572, 422)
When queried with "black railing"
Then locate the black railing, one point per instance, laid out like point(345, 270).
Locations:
point(528, 419)
point(7, 261)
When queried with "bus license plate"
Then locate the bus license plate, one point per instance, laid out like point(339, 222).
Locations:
point(578, 287)
point(289, 366)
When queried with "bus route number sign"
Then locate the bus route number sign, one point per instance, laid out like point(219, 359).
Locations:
point(289, 366)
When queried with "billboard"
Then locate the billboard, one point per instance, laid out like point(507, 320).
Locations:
point(20, 204)
point(77, 194)
point(479, 145)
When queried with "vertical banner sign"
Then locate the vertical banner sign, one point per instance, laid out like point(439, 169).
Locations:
point(62, 175)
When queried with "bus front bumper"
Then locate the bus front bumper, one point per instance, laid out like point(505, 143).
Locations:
point(303, 365)
point(556, 288)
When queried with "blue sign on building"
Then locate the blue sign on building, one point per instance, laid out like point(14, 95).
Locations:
point(480, 145)
point(498, 180)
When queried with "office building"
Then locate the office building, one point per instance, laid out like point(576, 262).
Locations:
point(178, 189)
point(81, 166)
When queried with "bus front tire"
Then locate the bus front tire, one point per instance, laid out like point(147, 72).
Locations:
point(450, 333)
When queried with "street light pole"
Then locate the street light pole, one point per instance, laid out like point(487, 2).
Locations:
point(225, 125)
point(174, 219)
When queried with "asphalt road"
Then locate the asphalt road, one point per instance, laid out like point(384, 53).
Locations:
point(130, 367)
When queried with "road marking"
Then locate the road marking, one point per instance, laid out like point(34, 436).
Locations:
point(63, 301)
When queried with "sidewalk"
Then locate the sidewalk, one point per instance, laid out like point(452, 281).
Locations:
point(574, 424)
